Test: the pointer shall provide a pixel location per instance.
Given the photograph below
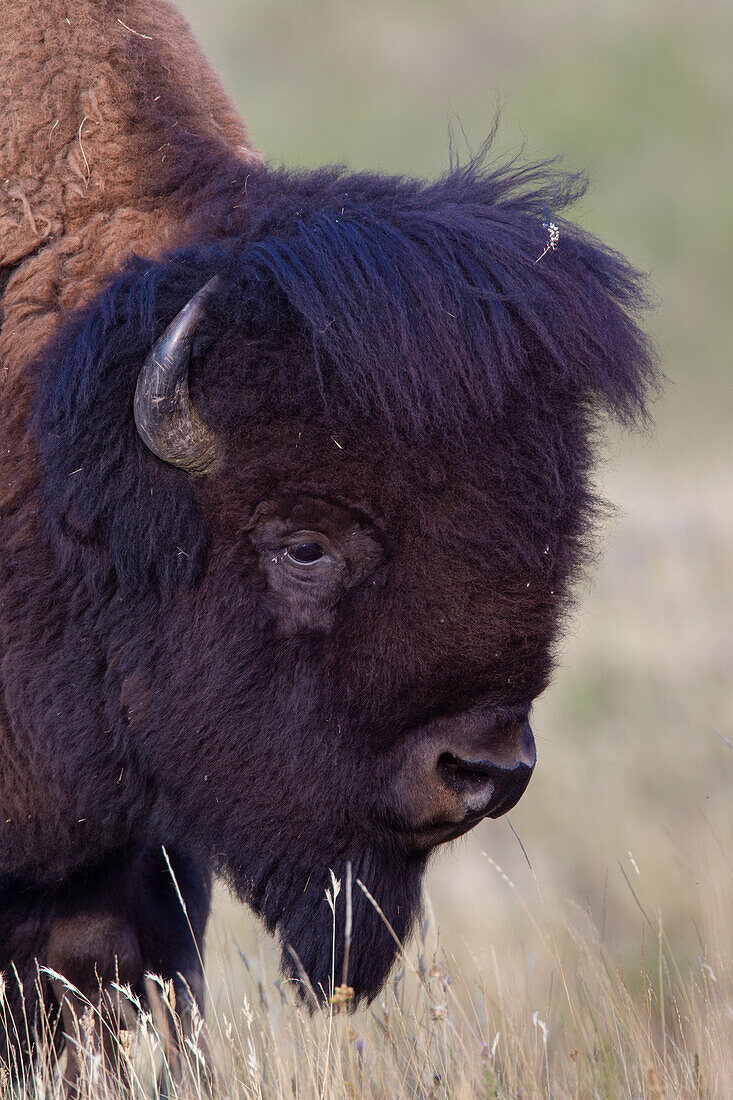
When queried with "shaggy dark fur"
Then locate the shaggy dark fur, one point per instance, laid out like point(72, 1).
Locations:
point(391, 364)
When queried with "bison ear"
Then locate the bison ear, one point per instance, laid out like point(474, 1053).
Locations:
point(112, 511)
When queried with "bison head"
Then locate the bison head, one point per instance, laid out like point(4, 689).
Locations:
point(329, 596)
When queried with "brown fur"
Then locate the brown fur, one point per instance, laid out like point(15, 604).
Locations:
point(88, 121)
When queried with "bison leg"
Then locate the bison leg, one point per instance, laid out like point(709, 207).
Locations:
point(177, 1010)
point(106, 926)
point(92, 950)
point(172, 911)
point(27, 1005)
point(92, 1040)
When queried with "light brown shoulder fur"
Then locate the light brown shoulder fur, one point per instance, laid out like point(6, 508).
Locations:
point(104, 104)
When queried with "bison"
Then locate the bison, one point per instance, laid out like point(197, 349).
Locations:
point(295, 473)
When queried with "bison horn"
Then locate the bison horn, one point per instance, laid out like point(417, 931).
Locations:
point(164, 416)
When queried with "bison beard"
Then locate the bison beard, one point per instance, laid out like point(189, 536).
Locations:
point(292, 902)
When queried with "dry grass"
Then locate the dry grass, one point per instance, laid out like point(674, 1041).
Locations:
point(553, 1011)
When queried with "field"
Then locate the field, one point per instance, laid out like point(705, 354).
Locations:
point(584, 947)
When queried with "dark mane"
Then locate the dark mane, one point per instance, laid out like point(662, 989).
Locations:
point(428, 302)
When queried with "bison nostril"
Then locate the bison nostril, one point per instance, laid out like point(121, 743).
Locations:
point(486, 789)
point(457, 772)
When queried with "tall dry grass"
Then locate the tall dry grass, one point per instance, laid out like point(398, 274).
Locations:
point(552, 1012)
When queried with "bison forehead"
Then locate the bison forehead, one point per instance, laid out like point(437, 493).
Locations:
point(503, 512)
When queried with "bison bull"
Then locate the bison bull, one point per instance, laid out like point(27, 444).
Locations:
point(290, 517)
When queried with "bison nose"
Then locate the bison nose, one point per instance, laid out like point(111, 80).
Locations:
point(491, 784)
point(459, 769)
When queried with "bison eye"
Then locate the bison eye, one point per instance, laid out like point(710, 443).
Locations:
point(305, 553)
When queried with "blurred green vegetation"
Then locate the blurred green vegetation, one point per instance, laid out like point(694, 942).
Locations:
point(638, 93)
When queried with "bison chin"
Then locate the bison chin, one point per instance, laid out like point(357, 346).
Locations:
point(292, 901)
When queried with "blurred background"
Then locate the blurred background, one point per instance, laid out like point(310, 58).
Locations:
point(629, 815)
